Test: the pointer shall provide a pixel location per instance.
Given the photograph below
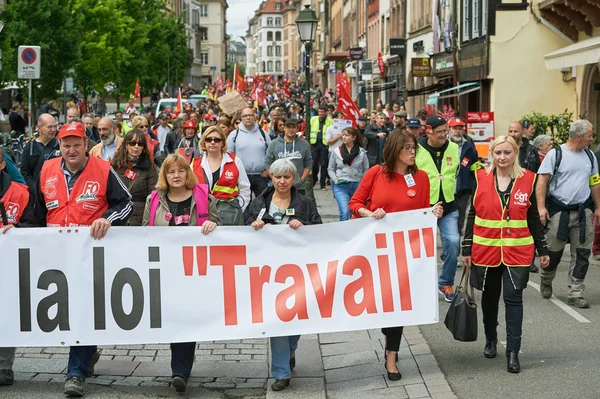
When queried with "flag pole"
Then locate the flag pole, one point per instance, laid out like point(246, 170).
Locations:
point(234, 76)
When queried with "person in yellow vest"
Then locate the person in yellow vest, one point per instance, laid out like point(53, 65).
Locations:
point(225, 176)
point(319, 147)
point(440, 159)
point(503, 230)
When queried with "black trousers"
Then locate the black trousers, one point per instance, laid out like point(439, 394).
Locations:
point(182, 359)
point(393, 335)
point(258, 184)
point(462, 203)
point(320, 158)
point(498, 279)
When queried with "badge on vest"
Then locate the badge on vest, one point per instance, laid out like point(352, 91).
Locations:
point(228, 174)
point(521, 198)
point(290, 212)
point(448, 161)
point(130, 174)
point(410, 181)
point(90, 190)
point(12, 211)
point(52, 205)
point(465, 162)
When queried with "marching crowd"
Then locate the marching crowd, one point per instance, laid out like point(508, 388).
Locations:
point(200, 167)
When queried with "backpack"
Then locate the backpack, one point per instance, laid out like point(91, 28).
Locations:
point(262, 133)
point(558, 150)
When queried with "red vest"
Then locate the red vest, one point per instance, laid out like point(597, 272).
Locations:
point(151, 143)
point(501, 235)
point(15, 201)
point(87, 200)
point(226, 187)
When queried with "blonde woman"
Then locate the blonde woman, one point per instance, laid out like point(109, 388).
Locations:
point(502, 233)
point(180, 201)
point(225, 176)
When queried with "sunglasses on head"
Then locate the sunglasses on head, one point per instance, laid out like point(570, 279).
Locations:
point(136, 143)
point(214, 140)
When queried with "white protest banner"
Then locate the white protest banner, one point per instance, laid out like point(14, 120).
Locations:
point(165, 284)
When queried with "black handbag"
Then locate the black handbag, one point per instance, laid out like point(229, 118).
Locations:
point(461, 318)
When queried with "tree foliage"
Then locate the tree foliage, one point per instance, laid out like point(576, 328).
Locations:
point(108, 41)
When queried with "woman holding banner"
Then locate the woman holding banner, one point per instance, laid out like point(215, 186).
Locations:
point(502, 233)
point(180, 201)
point(394, 186)
point(282, 204)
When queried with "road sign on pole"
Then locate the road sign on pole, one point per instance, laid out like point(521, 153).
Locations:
point(28, 66)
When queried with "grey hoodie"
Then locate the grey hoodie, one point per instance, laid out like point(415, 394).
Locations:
point(250, 147)
point(297, 151)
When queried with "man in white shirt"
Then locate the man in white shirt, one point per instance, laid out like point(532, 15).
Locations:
point(162, 130)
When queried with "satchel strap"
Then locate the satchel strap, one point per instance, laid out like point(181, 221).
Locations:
point(467, 275)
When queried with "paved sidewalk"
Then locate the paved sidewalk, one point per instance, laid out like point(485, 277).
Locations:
point(334, 365)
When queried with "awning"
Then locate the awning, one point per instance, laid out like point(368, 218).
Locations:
point(429, 89)
point(577, 54)
point(338, 56)
point(470, 86)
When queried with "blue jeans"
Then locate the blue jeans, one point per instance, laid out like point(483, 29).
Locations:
point(448, 226)
point(80, 360)
point(282, 348)
point(342, 193)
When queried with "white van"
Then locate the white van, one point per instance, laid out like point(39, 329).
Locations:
point(171, 102)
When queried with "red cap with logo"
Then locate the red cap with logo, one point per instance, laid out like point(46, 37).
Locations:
point(456, 122)
point(71, 129)
point(189, 124)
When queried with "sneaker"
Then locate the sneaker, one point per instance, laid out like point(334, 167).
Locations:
point(179, 383)
point(7, 377)
point(95, 358)
point(280, 384)
point(578, 303)
point(323, 188)
point(546, 290)
point(447, 292)
point(74, 386)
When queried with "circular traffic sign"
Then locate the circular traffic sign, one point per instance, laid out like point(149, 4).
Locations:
point(28, 56)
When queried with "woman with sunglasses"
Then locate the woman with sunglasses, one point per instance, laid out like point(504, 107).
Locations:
point(141, 123)
point(137, 172)
point(225, 175)
point(394, 186)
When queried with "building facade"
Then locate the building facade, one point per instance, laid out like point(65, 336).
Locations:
point(269, 33)
point(236, 52)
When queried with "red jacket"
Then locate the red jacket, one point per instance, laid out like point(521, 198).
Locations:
point(87, 200)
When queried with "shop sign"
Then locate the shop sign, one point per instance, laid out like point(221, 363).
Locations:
point(480, 126)
point(420, 67)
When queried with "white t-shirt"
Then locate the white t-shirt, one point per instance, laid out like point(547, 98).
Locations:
point(330, 133)
point(162, 135)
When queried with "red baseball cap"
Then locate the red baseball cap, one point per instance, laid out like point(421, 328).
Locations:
point(456, 122)
point(189, 124)
point(71, 129)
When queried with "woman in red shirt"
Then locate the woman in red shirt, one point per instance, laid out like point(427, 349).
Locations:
point(394, 186)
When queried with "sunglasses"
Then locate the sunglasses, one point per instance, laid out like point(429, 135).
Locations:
point(143, 126)
point(214, 140)
point(135, 143)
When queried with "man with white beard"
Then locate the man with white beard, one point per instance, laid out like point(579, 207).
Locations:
point(110, 140)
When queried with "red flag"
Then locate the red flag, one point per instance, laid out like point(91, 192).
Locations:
point(260, 96)
point(137, 88)
point(286, 88)
point(178, 106)
point(219, 83)
point(342, 82)
point(240, 83)
point(228, 85)
point(380, 64)
point(345, 103)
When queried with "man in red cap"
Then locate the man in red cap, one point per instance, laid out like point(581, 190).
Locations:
point(469, 163)
point(79, 190)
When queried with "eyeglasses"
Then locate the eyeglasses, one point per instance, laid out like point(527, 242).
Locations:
point(135, 143)
point(143, 126)
point(214, 140)
point(409, 148)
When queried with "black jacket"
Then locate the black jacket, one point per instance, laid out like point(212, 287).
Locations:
point(528, 156)
point(33, 158)
point(17, 123)
point(305, 210)
point(172, 141)
point(374, 144)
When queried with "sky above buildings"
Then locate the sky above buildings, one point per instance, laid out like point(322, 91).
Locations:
point(238, 14)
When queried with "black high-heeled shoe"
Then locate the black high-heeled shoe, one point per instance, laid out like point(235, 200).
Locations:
point(391, 375)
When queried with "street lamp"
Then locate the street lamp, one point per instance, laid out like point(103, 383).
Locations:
point(307, 31)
